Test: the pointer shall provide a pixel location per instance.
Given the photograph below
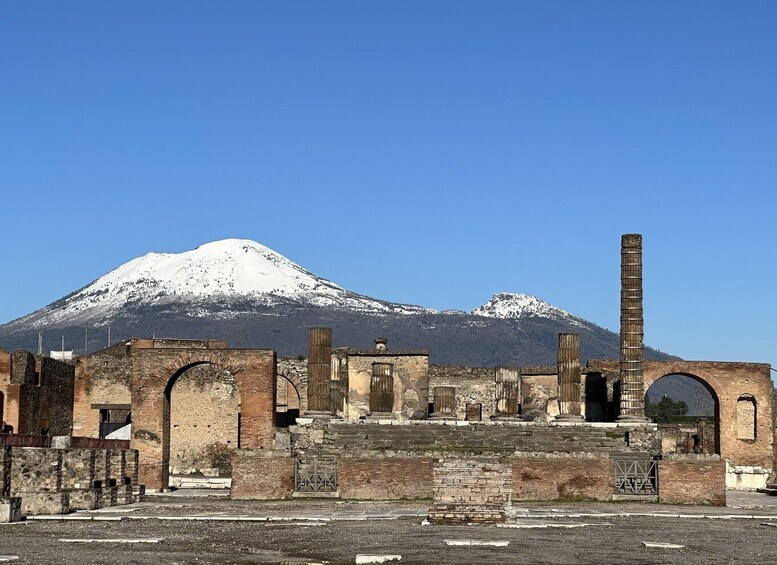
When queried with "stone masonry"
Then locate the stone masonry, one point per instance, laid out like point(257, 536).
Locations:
point(471, 491)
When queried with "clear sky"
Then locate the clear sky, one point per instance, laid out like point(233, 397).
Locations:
point(425, 152)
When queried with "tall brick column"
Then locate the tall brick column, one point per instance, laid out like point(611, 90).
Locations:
point(569, 377)
point(632, 402)
point(319, 372)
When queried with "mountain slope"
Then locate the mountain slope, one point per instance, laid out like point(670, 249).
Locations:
point(251, 296)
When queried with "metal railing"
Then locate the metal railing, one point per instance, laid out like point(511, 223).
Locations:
point(638, 477)
point(315, 474)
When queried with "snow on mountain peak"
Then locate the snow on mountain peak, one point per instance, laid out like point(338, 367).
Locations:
point(508, 305)
point(228, 270)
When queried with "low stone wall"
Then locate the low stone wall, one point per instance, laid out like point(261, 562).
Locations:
point(533, 476)
point(692, 480)
point(55, 481)
point(256, 475)
point(384, 478)
point(35, 469)
point(563, 478)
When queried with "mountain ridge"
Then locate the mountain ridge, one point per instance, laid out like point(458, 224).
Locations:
point(249, 295)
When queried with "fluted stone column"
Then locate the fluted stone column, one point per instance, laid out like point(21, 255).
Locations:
point(319, 372)
point(569, 377)
point(632, 402)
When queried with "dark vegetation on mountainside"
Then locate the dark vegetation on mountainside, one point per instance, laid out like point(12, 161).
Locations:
point(451, 338)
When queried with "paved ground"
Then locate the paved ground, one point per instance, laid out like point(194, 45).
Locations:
point(185, 529)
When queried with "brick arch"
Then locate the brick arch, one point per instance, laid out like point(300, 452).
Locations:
point(729, 381)
point(188, 362)
point(709, 381)
point(155, 370)
point(300, 385)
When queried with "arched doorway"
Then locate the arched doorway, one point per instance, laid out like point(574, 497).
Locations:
point(288, 402)
point(201, 426)
point(687, 410)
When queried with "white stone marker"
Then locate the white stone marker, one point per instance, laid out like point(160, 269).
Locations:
point(660, 545)
point(377, 558)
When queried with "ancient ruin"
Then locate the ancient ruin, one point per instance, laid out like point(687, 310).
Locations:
point(378, 424)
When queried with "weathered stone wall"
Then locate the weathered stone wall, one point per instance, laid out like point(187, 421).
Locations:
point(55, 481)
point(426, 437)
point(471, 490)
point(204, 407)
point(256, 475)
point(26, 393)
point(692, 480)
point(78, 470)
point(411, 382)
point(56, 385)
point(540, 396)
point(101, 380)
point(729, 382)
point(43, 469)
point(293, 383)
point(563, 478)
point(384, 478)
point(36, 394)
point(9, 395)
point(5, 470)
point(35, 469)
point(153, 370)
point(474, 385)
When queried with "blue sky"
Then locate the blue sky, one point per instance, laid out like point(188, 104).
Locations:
point(425, 152)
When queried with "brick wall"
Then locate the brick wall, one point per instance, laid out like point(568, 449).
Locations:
point(563, 478)
point(730, 382)
point(204, 406)
point(692, 481)
point(259, 476)
point(471, 490)
point(384, 478)
point(154, 368)
point(102, 379)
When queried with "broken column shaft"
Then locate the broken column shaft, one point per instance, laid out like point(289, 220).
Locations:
point(319, 371)
point(632, 385)
point(569, 377)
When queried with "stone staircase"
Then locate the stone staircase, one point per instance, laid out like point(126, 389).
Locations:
point(350, 438)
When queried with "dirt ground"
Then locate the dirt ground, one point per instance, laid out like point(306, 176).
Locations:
point(327, 531)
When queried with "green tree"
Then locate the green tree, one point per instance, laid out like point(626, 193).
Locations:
point(666, 410)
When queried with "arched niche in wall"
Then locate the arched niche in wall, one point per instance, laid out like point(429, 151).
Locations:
point(747, 415)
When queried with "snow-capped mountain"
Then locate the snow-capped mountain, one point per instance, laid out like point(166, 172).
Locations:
point(231, 270)
point(250, 296)
point(509, 306)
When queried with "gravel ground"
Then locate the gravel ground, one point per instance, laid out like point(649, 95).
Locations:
point(603, 540)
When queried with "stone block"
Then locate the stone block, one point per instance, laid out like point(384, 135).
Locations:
point(85, 499)
point(138, 493)
point(10, 509)
point(110, 495)
point(35, 503)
